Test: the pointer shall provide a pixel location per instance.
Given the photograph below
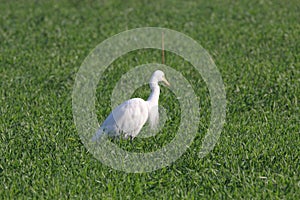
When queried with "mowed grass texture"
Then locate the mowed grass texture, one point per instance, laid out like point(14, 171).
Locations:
point(255, 45)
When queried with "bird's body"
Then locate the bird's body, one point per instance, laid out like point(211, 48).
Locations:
point(130, 116)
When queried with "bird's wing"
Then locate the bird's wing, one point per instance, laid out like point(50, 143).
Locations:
point(128, 117)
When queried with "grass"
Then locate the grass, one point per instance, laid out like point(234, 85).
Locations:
point(255, 46)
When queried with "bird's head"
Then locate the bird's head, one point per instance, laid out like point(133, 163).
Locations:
point(159, 76)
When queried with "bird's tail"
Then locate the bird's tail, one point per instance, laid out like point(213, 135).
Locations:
point(98, 134)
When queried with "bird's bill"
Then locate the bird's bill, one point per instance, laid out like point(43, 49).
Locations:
point(166, 82)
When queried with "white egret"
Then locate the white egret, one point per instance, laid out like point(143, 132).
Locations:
point(130, 116)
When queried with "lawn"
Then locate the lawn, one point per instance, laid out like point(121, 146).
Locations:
point(255, 45)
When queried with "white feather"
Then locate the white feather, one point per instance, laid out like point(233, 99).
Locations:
point(130, 117)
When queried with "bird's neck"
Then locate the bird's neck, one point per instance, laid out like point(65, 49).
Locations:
point(154, 96)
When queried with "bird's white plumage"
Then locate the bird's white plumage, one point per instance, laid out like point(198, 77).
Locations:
point(129, 117)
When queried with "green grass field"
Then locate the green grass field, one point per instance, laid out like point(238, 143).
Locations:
point(255, 45)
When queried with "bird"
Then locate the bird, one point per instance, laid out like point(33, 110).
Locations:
point(129, 117)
